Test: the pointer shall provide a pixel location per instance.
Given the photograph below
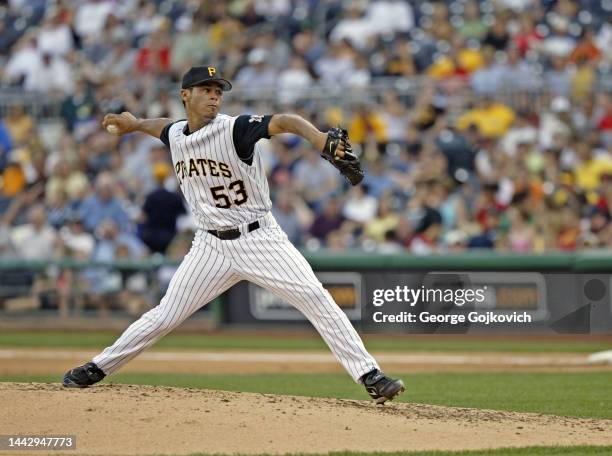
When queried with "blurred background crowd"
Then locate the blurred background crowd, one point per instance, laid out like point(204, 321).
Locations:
point(482, 124)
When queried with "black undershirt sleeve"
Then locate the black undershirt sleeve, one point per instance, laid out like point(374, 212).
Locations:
point(164, 134)
point(247, 131)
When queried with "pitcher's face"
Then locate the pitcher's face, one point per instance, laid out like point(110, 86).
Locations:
point(203, 101)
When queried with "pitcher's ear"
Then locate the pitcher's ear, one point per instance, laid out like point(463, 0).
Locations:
point(185, 94)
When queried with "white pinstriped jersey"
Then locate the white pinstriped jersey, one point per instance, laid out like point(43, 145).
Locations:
point(221, 189)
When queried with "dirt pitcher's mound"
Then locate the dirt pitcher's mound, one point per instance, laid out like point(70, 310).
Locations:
point(145, 420)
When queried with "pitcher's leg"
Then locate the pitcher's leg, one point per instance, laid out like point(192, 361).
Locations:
point(277, 265)
point(203, 275)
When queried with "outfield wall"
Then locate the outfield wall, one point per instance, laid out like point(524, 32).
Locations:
point(559, 293)
point(562, 292)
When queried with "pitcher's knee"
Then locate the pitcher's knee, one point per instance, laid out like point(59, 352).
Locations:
point(313, 292)
point(316, 298)
point(165, 325)
point(159, 323)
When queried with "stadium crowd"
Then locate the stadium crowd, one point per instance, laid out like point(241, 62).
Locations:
point(503, 141)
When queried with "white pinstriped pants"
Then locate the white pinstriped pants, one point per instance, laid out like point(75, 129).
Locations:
point(265, 257)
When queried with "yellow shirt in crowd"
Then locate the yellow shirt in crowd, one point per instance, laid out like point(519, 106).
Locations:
point(588, 174)
point(361, 125)
point(469, 59)
point(492, 121)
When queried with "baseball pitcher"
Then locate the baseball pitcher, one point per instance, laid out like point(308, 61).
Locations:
point(222, 177)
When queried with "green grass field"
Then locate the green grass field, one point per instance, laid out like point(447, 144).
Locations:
point(570, 394)
point(226, 341)
point(581, 394)
point(585, 394)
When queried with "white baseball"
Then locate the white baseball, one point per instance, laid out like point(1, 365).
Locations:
point(113, 129)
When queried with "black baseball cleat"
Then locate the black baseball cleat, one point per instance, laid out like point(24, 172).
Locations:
point(380, 387)
point(83, 376)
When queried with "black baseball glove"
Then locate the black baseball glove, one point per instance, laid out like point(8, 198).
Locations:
point(349, 165)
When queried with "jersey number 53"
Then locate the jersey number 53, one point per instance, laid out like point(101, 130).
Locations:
point(223, 200)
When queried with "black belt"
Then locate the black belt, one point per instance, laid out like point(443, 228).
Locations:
point(234, 233)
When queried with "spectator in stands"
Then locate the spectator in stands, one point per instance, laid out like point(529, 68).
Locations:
point(6, 145)
point(455, 241)
point(555, 123)
point(24, 62)
point(490, 117)
point(378, 181)
point(367, 123)
point(154, 55)
point(395, 117)
point(55, 36)
point(104, 205)
point(119, 62)
point(20, 125)
point(36, 240)
point(459, 62)
point(52, 75)
point(586, 49)
point(160, 212)
point(13, 182)
point(354, 26)
point(527, 37)
point(110, 241)
point(279, 51)
point(560, 43)
point(396, 15)
point(460, 152)
point(517, 74)
point(57, 208)
point(360, 76)
point(521, 236)
point(400, 61)
point(359, 206)
point(102, 284)
point(65, 177)
point(473, 25)
point(147, 22)
point(498, 37)
point(293, 81)
point(488, 79)
point(589, 168)
point(292, 215)
point(76, 242)
point(189, 48)
point(428, 231)
point(91, 16)
point(258, 69)
point(569, 231)
point(315, 179)
point(329, 220)
point(604, 118)
point(521, 132)
point(391, 245)
point(558, 78)
point(337, 61)
point(282, 172)
point(308, 44)
point(438, 25)
point(79, 106)
point(386, 221)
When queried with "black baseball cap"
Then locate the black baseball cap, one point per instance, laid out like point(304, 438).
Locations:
point(200, 74)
